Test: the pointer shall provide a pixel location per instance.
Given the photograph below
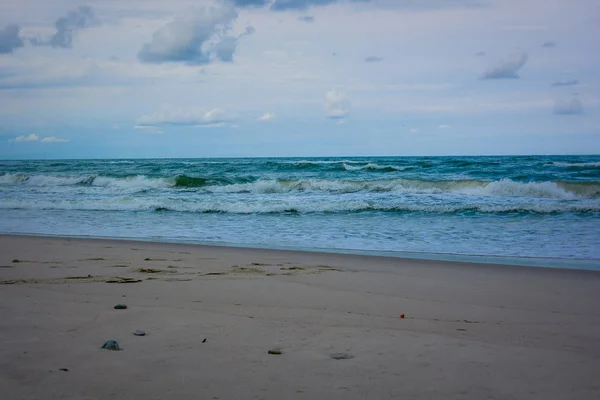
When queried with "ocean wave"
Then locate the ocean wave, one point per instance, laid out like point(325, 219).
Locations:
point(336, 165)
point(504, 187)
point(594, 164)
point(295, 206)
point(373, 167)
point(320, 162)
point(563, 190)
point(131, 182)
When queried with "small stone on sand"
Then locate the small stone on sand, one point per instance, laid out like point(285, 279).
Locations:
point(276, 351)
point(111, 345)
point(341, 356)
point(139, 332)
point(120, 307)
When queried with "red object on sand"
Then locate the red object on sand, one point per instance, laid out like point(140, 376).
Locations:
point(401, 315)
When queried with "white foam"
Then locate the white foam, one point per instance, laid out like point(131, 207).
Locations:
point(322, 162)
point(507, 187)
point(12, 179)
point(134, 182)
point(584, 164)
point(503, 188)
point(296, 204)
point(372, 166)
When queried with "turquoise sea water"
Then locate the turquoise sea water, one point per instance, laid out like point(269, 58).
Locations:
point(509, 208)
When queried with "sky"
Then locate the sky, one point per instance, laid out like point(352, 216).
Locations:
point(254, 78)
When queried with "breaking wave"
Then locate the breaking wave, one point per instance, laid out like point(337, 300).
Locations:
point(374, 167)
point(580, 165)
point(562, 190)
point(297, 205)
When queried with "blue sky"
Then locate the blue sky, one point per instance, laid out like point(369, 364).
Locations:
point(133, 78)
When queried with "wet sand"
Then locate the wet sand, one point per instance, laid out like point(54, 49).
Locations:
point(471, 331)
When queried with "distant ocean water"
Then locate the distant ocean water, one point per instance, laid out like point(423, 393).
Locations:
point(522, 208)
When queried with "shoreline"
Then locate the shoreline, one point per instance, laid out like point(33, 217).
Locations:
point(405, 328)
point(529, 262)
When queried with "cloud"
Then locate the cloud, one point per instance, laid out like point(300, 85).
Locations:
point(571, 82)
point(444, 126)
point(480, 54)
point(251, 3)
point(149, 129)
point(307, 18)
point(82, 17)
point(568, 106)
point(414, 130)
point(291, 5)
point(225, 48)
point(9, 39)
point(267, 117)
point(53, 139)
point(194, 36)
point(285, 5)
point(336, 105)
point(32, 137)
point(197, 118)
point(549, 43)
point(508, 67)
point(373, 59)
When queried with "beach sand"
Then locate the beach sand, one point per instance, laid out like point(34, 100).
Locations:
point(471, 331)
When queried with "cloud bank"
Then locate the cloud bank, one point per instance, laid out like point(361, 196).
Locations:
point(182, 118)
point(32, 137)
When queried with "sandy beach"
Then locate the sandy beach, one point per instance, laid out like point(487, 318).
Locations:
point(211, 315)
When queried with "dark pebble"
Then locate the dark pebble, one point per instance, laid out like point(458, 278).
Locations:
point(139, 332)
point(64, 369)
point(341, 356)
point(275, 351)
point(111, 345)
point(120, 307)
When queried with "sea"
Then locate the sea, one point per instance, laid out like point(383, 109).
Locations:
point(523, 210)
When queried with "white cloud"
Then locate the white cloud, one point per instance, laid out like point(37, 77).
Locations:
point(508, 67)
point(336, 104)
point(53, 139)
point(568, 106)
point(197, 118)
point(444, 126)
point(267, 117)
point(32, 137)
point(414, 130)
point(195, 37)
point(153, 130)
